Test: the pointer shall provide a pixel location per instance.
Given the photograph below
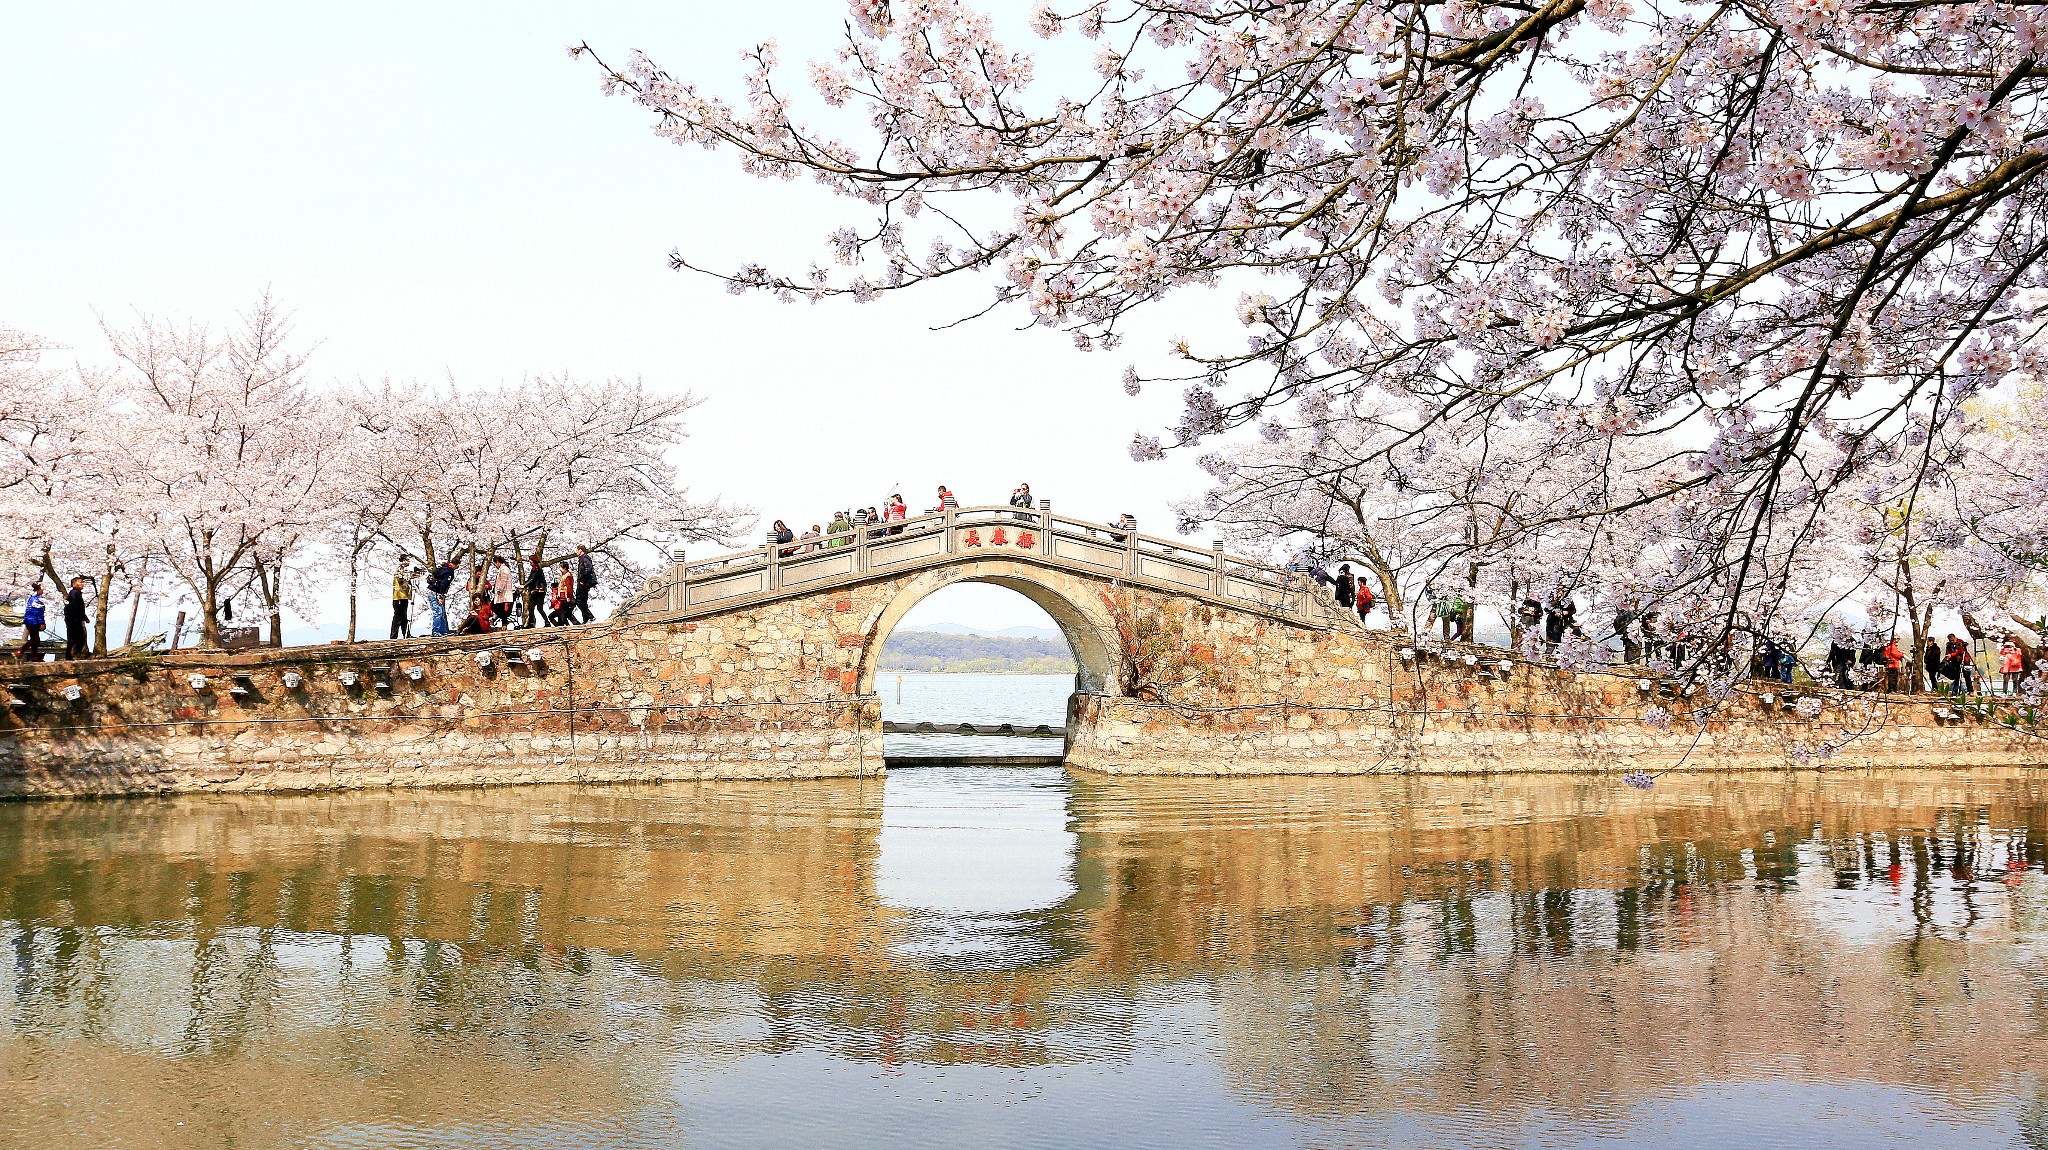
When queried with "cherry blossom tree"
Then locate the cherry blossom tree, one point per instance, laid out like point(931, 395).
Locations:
point(535, 468)
point(1748, 237)
point(233, 448)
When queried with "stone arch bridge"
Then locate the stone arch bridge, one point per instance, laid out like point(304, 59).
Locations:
point(761, 664)
point(1082, 574)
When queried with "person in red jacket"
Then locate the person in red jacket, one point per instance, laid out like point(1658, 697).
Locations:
point(1894, 662)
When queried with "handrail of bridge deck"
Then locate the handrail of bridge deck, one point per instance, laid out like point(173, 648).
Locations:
point(1273, 588)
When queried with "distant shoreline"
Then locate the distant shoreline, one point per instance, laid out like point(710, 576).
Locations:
point(945, 672)
point(940, 652)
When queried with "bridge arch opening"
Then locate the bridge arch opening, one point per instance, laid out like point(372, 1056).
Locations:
point(1086, 626)
point(958, 666)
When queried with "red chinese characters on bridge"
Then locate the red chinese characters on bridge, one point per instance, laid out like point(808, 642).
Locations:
point(1000, 537)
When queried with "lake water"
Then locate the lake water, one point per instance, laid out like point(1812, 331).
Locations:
point(1025, 700)
point(992, 957)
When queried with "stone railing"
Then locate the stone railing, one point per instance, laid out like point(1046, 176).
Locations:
point(771, 571)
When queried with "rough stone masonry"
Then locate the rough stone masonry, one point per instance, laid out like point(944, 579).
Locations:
point(784, 690)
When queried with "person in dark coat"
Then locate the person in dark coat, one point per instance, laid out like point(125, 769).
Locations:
point(75, 646)
point(438, 585)
point(1931, 659)
point(1561, 617)
point(1625, 619)
point(586, 581)
point(1347, 586)
point(1840, 659)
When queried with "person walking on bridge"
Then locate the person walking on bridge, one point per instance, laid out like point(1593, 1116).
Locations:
point(438, 585)
point(536, 589)
point(586, 581)
point(401, 600)
point(502, 585)
point(75, 646)
point(894, 511)
point(840, 533)
point(562, 600)
point(32, 625)
point(946, 500)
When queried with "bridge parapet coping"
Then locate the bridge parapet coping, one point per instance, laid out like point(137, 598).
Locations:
point(954, 535)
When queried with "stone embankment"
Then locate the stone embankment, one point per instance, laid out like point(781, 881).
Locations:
point(591, 704)
point(783, 689)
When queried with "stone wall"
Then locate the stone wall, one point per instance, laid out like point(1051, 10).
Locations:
point(727, 699)
point(784, 690)
point(1281, 701)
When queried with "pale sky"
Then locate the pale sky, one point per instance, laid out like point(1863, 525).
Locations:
point(438, 191)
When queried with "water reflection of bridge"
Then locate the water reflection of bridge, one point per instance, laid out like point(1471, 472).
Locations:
point(1364, 942)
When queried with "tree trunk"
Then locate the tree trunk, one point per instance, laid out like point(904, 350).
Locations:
point(135, 599)
point(354, 557)
point(270, 588)
point(101, 608)
point(209, 615)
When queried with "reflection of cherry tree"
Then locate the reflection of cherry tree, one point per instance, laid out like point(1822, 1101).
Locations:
point(1744, 235)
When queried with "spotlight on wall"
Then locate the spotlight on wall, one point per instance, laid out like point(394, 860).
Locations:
point(483, 658)
point(73, 693)
point(414, 672)
point(198, 682)
point(349, 678)
point(292, 679)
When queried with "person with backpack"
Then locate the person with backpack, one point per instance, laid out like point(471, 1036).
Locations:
point(1451, 609)
point(438, 585)
point(32, 625)
point(586, 581)
point(1955, 666)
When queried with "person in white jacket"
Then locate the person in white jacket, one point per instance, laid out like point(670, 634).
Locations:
point(503, 587)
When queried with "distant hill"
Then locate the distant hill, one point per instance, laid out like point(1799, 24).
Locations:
point(978, 654)
point(1007, 632)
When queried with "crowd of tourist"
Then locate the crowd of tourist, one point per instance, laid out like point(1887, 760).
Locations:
point(494, 597)
point(1544, 624)
point(849, 526)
